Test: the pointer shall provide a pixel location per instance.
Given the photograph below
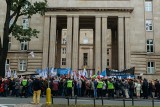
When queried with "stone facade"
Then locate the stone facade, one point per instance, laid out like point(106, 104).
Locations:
point(118, 26)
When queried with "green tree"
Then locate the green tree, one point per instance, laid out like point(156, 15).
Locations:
point(14, 10)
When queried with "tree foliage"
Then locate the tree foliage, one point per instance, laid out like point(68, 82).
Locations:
point(14, 10)
point(24, 8)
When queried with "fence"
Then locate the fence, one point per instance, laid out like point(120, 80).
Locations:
point(101, 101)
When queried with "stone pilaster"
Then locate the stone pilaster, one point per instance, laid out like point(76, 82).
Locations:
point(97, 44)
point(52, 41)
point(45, 42)
point(58, 53)
point(69, 42)
point(120, 43)
point(127, 42)
point(75, 42)
point(104, 43)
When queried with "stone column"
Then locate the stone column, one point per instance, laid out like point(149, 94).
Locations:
point(104, 43)
point(75, 43)
point(120, 43)
point(69, 42)
point(52, 41)
point(45, 42)
point(127, 42)
point(97, 44)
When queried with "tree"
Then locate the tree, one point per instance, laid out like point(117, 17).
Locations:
point(14, 10)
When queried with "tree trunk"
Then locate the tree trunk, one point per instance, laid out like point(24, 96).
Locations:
point(3, 52)
point(4, 49)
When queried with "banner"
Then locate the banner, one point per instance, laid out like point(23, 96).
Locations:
point(125, 73)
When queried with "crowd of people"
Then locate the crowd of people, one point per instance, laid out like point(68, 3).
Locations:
point(82, 87)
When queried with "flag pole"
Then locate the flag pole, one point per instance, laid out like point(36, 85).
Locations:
point(48, 91)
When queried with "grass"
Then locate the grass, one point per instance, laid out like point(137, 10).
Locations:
point(61, 105)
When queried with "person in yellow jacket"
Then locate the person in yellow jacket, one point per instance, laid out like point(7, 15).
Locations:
point(110, 87)
point(69, 87)
point(99, 88)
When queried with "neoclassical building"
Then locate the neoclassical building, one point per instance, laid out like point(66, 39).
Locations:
point(118, 34)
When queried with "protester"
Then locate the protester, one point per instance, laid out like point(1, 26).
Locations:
point(36, 90)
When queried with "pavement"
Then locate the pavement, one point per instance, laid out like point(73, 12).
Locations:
point(26, 102)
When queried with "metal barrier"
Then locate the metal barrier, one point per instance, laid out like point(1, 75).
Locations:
point(102, 101)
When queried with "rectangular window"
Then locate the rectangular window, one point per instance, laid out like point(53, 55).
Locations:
point(148, 6)
point(150, 68)
point(63, 50)
point(107, 51)
point(149, 25)
point(64, 41)
point(107, 62)
point(25, 23)
point(7, 64)
point(85, 59)
point(63, 61)
point(150, 45)
point(24, 45)
point(9, 44)
point(22, 65)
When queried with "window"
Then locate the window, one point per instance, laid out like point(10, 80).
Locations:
point(85, 59)
point(149, 45)
point(63, 50)
point(7, 64)
point(11, 22)
point(25, 23)
point(63, 61)
point(149, 25)
point(107, 62)
point(64, 41)
point(22, 65)
point(148, 6)
point(150, 68)
point(107, 51)
point(24, 45)
point(9, 44)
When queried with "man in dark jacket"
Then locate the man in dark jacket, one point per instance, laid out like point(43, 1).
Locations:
point(145, 88)
point(36, 90)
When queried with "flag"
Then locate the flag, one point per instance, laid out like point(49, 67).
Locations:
point(9, 74)
point(79, 74)
point(75, 75)
point(85, 74)
point(103, 73)
point(32, 54)
point(91, 73)
point(15, 74)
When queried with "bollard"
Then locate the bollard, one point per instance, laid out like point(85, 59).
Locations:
point(48, 96)
point(94, 102)
point(76, 100)
point(68, 101)
point(124, 105)
point(152, 102)
point(102, 100)
point(132, 101)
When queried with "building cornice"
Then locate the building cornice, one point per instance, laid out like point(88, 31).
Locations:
point(120, 9)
